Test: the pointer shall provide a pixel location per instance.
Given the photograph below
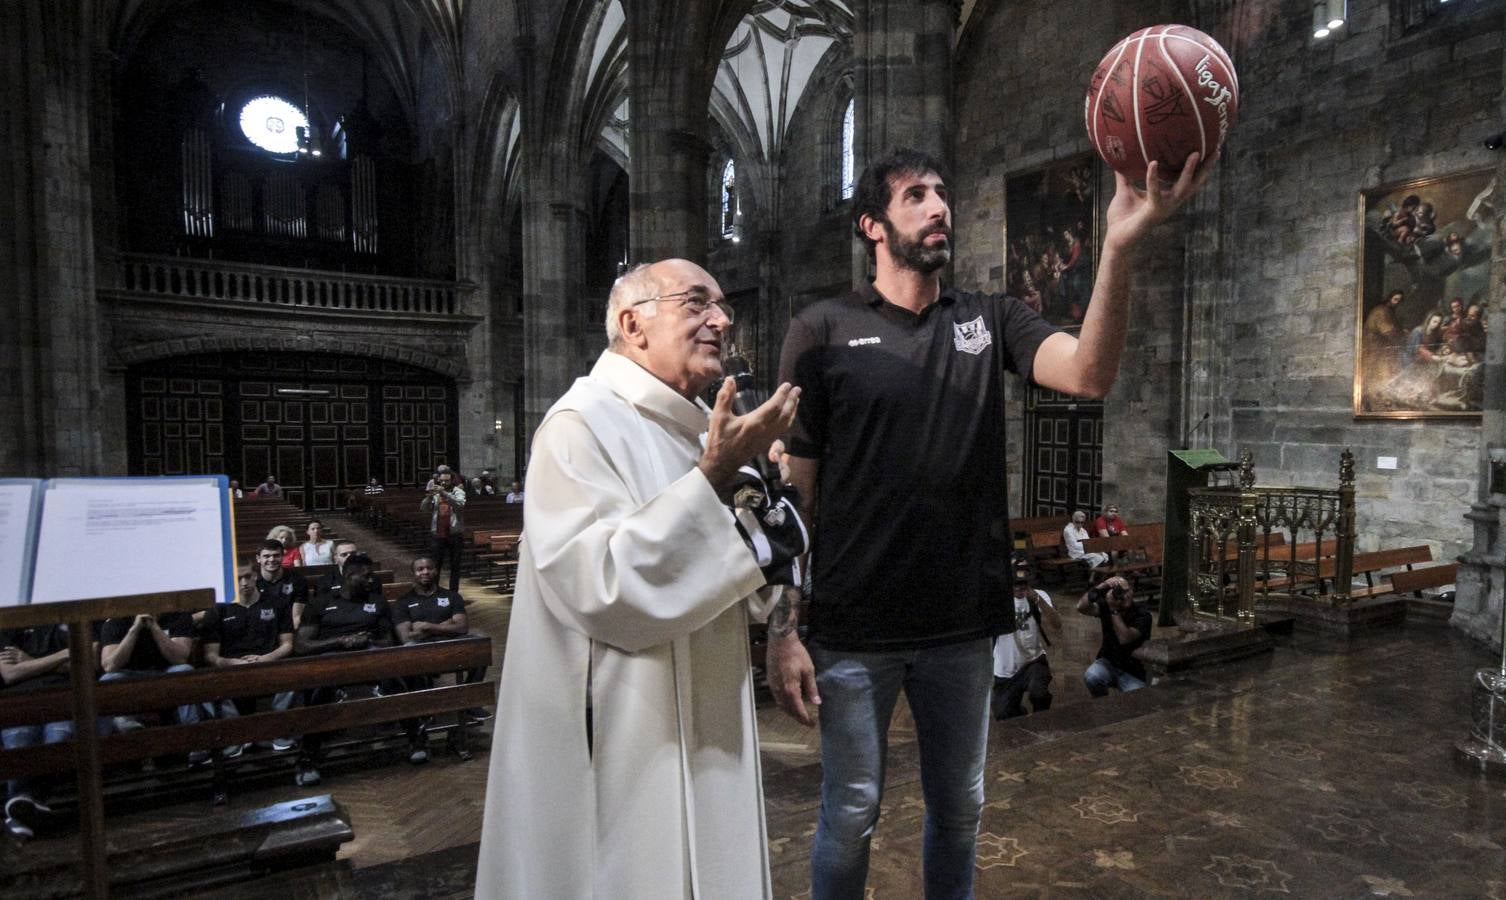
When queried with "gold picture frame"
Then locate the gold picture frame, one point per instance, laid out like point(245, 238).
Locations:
point(1423, 286)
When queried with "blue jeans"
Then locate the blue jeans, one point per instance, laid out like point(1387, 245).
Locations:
point(188, 713)
point(1102, 675)
point(948, 690)
point(18, 736)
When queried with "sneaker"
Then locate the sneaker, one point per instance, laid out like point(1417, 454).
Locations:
point(477, 714)
point(283, 745)
point(307, 776)
point(23, 815)
point(418, 754)
point(124, 724)
point(18, 829)
point(234, 750)
point(198, 757)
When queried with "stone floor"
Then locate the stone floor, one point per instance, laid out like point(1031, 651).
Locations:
point(1324, 769)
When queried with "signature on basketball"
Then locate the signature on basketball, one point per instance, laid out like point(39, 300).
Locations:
point(1218, 96)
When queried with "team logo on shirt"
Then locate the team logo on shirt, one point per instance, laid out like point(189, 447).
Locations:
point(971, 337)
point(287, 589)
point(370, 607)
point(267, 615)
point(444, 601)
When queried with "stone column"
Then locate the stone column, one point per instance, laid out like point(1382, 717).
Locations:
point(673, 50)
point(902, 83)
point(50, 346)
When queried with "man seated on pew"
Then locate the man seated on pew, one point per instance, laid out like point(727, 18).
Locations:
point(428, 612)
point(1126, 625)
point(33, 659)
point(257, 627)
point(1109, 524)
point(515, 492)
point(269, 488)
point(271, 576)
point(145, 646)
point(355, 617)
point(1074, 534)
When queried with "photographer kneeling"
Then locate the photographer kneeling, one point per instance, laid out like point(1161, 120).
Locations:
point(1126, 625)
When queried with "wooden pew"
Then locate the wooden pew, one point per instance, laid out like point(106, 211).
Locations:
point(253, 679)
point(1415, 581)
point(1137, 553)
point(1368, 564)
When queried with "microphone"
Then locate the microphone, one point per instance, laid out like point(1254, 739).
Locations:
point(749, 398)
point(1196, 428)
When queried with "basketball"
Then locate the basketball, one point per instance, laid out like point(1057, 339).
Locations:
point(1162, 94)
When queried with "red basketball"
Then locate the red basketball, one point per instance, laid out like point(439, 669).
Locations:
point(1162, 93)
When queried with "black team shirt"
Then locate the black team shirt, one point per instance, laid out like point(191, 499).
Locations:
point(38, 642)
point(248, 630)
point(1121, 656)
point(335, 616)
point(435, 609)
point(905, 414)
point(145, 656)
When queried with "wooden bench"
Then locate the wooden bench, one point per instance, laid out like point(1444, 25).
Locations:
point(1368, 564)
point(1137, 553)
point(253, 680)
point(1048, 555)
point(1415, 581)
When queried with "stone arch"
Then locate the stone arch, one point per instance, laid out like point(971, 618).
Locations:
point(351, 346)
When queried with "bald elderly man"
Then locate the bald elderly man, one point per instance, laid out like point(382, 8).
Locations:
point(625, 758)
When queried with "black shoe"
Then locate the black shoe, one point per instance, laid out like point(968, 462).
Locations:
point(307, 775)
point(477, 714)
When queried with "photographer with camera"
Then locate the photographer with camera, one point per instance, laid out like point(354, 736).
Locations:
point(1020, 663)
point(1126, 625)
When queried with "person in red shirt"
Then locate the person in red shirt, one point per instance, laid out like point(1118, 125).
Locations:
point(1109, 524)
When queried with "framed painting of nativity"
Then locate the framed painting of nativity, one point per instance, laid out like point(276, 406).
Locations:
point(1424, 291)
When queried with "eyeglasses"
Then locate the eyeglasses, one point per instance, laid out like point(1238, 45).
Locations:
point(695, 302)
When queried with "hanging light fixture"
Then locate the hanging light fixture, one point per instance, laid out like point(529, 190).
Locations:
point(1329, 15)
point(1338, 13)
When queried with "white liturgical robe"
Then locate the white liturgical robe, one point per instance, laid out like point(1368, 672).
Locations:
point(631, 587)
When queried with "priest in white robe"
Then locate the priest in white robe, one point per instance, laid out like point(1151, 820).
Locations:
point(631, 612)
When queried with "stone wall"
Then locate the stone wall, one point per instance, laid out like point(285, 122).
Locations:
point(1257, 278)
point(1021, 73)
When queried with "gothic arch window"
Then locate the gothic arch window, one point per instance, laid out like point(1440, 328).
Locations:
point(729, 199)
point(848, 175)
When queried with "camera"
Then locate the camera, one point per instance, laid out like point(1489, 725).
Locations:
point(1100, 596)
point(1496, 141)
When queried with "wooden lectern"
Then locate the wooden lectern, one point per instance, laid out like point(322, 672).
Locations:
point(1185, 469)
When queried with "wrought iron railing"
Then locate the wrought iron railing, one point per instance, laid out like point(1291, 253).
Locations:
point(226, 282)
point(1285, 541)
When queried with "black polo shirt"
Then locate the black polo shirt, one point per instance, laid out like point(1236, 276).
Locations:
point(145, 656)
point(290, 588)
point(905, 413)
point(335, 616)
point(38, 642)
point(435, 609)
point(1121, 656)
point(247, 630)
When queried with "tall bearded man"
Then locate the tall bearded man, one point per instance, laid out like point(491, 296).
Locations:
point(625, 759)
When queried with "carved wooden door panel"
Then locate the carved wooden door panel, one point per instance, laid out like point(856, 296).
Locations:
point(1063, 454)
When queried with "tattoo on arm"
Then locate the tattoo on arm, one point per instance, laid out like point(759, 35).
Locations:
point(783, 619)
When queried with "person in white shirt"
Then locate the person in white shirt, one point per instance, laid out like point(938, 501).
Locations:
point(1074, 534)
point(317, 550)
point(1020, 663)
point(515, 493)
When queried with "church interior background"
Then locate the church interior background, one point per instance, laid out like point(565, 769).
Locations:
point(342, 239)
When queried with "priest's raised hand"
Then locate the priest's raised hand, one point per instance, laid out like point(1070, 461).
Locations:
point(732, 440)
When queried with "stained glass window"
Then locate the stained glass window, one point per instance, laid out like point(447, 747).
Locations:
point(848, 181)
point(272, 124)
point(729, 199)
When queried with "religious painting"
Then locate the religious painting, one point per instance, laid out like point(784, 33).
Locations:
point(1424, 291)
point(1051, 238)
